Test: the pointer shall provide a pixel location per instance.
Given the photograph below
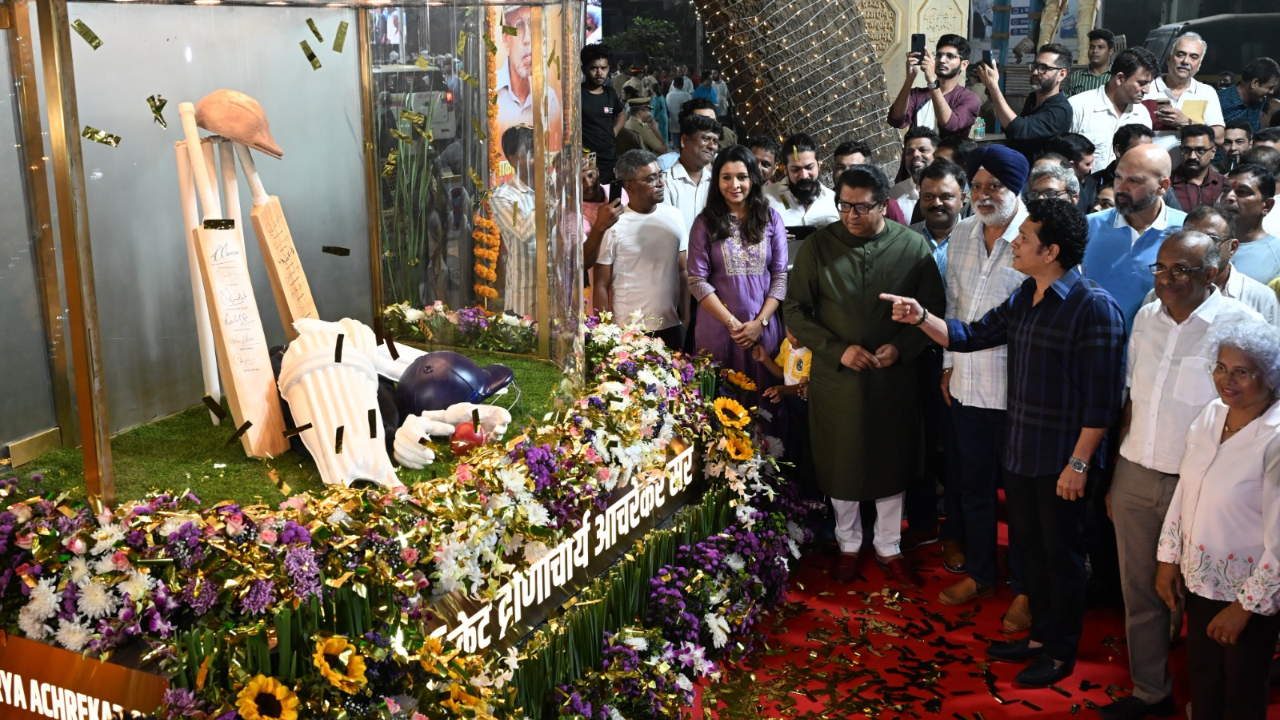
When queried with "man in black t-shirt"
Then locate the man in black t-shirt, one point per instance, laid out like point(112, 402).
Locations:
point(603, 113)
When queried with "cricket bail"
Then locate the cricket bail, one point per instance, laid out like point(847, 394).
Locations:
point(238, 117)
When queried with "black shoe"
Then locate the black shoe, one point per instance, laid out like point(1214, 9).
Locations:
point(1015, 651)
point(1131, 708)
point(914, 537)
point(1043, 673)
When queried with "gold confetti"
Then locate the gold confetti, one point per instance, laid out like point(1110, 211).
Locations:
point(401, 136)
point(468, 79)
point(89, 36)
point(306, 50)
point(490, 45)
point(462, 42)
point(96, 135)
point(315, 30)
point(341, 37)
point(425, 134)
point(413, 118)
point(422, 62)
point(508, 30)
point(157, 103)
point(552, 57)
point(475, 125)
point(390, 167)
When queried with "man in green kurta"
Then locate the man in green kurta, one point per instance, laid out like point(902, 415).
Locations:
point(863, 407)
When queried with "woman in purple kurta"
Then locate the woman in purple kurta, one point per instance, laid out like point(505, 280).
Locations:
point(737, 265)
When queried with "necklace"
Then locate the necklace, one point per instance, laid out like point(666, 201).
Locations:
point(1227, 428)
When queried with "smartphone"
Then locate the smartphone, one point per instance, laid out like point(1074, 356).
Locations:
point(615, 190)
point(986, 59)
point(917, 44)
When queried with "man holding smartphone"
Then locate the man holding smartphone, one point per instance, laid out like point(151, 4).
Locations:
point(944, 104)
point(1046, 114)
point(1180, 99)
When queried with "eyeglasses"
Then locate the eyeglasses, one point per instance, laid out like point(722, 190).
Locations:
point(1177, 272)
point(1036, 67)
point(857, 208)
point(948, 56)
point(1047, 195)
point(1197, 150)
point(654, 179)
point(1238, 374)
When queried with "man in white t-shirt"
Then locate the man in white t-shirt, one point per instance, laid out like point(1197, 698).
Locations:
point(640, 273)
point(1190, 102)
point(1097, 114)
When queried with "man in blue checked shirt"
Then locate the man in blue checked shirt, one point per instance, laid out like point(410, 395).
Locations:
point(1066, 340)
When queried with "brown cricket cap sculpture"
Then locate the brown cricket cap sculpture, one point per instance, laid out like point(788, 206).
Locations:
point(238, 117)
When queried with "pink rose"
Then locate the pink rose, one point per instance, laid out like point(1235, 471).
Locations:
point(297, 502)
point(25, 540)
point(393, 707)
point(602, 474)
point(423, 583)
point(106, 516)
point(409, 555)
point(592, 455)
point(268, 537)
point(76, 545)
point(463, 472)
point(120, 561)
point(21, 511)
point(235, 525)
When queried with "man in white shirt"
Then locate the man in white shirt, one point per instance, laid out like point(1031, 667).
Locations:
point(1168, 353)
point(801, 200)
point(689, 180)
point(640, 273)
point(1097, 114)
point(677, 96)
point(1190, 102)
point(918, 146)
point(514, 213)
point(979, 277)
point(515, 78)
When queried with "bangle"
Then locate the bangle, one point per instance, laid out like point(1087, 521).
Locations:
point(923, 317)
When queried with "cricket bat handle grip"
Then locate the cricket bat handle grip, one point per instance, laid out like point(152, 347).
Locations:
point(209, 201)
point(260, 196)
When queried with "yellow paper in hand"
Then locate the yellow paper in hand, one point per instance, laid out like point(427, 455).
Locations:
point(1194, 110)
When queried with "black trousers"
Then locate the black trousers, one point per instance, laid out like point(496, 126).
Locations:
point(1047, 532)
point(1228, 677)
point(921, 502)
point(672, 337)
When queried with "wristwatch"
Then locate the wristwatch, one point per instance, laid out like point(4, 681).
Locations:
point(931, 86)
point(1078, 465)
point(764, 322)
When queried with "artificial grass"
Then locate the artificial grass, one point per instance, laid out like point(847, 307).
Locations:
point(188, 452)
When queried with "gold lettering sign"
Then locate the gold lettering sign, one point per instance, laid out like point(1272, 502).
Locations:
point(42, 681)
point(881, 21)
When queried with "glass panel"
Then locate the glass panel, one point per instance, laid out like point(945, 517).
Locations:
point(26, 390)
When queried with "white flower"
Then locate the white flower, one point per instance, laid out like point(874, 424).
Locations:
point(339, 517)
point(719, 629)
point(535, 551)
point(107, 536)
point(136, 585)
point(537, 515)
point(640, 644)
point(513, 479)
point(795, 532)
point(498, 502)
point(684, 682)
point(775, 446)
point(21, 511)
point(764, 414)
point(647, 377)
point(512, 660)
point(103, 565)
point(73, 636)
point(795, 548)
point(746, 516)
point(43, 602)
point(31, 624)
point(173, 524)
point(97, 600)
point(615, 715)
point(79, 569)
point(413, 315)
point(735, 561)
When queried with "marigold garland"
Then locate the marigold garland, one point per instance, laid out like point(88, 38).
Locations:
point(486, 234)
point(487, 239)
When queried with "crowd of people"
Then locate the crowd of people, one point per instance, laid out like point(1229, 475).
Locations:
point(1078, 316)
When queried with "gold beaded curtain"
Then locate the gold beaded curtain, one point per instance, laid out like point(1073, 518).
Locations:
point(803, 67)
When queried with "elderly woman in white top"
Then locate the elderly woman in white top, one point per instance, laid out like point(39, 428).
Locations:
point(1221, 537)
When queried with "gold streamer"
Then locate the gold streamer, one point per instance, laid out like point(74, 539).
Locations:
point(462, 42)
point(157, 103)
point(490, 45)
point(306, 50)
point(315, 30)
point(508, 30)
point(413, 118)
point(401, 136)
point(341, 37)
point(390, 167)
point(468, 79)
point(475, 125)
point(422, 62)
point(89, 36)
point(96, 135)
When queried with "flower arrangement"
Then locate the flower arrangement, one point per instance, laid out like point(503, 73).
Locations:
point(318, 607)
point(466, 328)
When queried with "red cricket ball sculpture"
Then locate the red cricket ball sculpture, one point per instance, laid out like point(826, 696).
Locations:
point(468, 436)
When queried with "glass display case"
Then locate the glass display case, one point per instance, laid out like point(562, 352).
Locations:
point(427, 181)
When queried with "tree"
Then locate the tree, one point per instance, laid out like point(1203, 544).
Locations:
point(658, 38)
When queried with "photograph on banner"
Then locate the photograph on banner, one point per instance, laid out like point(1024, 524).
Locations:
point(592, 23)
point(513, 36)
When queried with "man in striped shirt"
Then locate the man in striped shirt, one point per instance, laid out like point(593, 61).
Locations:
point(513, 211)
point(1102, 45)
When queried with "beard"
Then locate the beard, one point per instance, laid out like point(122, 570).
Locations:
point(997, 213)
point(948, 75)
point(1047, 85)
point(806, 191)
point(1126, 205)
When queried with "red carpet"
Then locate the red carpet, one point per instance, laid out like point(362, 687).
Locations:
point(866, 650)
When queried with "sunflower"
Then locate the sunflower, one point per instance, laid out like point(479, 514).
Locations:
point(340, 664)
point(266, 698)
point(739, 447)
point(731, 413)
point(741, 380)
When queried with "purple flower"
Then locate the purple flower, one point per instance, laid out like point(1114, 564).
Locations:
point(184, 545)
point(200, 595)
point(300, 563)
point(260, 595)
point(294, 534)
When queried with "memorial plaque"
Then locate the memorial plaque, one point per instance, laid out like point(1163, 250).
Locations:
point(43, 681)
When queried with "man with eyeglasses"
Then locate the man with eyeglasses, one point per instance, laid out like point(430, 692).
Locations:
point(514, 80)
point(863, 386)
point(1123, 241)
point(1194, 181)
point(640, 273)
point(1052, 182)
point(1182, 101)
point(1169, 384)
point(1046, 114)
point(980, 276)
point(944, 104)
